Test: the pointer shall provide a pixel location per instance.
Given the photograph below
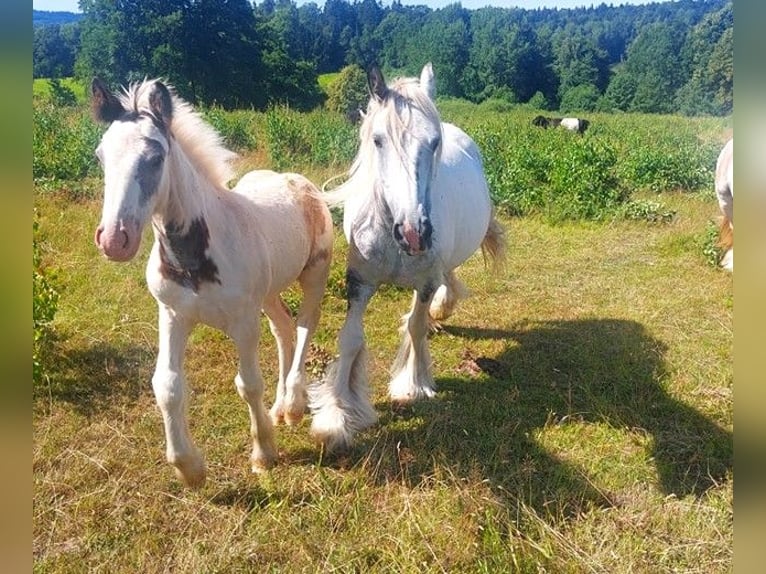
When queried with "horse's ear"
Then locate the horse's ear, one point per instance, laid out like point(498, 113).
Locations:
point(161, 103)
point(377, 83)
point(104, 105)
point(427, 80)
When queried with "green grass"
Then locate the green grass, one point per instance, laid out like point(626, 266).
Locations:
point(583, 420)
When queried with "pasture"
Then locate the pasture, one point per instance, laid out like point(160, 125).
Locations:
point(583, 416)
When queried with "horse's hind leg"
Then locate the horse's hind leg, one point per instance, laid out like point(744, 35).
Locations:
point(281, 326)
point(312, 281)
point(170, 392)
point(411, 377)
point(446, 297)
point(249, 383)
point(341, 403)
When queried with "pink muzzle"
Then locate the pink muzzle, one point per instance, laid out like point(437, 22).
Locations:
point(119, 241)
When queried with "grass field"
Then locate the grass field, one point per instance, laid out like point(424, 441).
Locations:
point(583, 421)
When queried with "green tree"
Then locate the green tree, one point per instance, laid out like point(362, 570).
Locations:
point(653, 63)
point(54, 49)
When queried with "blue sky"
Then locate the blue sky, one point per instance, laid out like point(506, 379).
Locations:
point(72, 5)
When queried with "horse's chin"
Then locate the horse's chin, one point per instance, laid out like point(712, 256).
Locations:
point(119, 241)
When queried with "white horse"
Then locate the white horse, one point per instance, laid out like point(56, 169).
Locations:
point(219, 255)
point(724, 189)
point(416, 205)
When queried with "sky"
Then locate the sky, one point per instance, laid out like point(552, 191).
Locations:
point(72, 5)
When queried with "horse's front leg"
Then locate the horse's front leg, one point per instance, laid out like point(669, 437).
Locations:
point(411, 377)
point(249, 382)
point(170, 392)
point(341, 403)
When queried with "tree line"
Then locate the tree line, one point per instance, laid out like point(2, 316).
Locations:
point(666, 57)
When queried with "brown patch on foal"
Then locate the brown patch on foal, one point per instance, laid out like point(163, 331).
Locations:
point(725, 234)
point(317, 219)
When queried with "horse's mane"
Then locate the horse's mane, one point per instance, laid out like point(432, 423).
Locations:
point(201, 143)
point(403, 93)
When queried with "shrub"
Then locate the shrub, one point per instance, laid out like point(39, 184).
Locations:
point(63, 143)
point(583, 184)
point(236, 127)
point(317, 138)
point(45, 298)
point(348, 93)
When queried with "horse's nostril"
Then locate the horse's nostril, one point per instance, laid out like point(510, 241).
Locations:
point(397, 231)
point(99, 231)
point(127, 239)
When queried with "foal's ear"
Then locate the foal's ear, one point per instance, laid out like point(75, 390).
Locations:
point(427, 80)
point(104, 105)
point(161, 103)
point(377, 83)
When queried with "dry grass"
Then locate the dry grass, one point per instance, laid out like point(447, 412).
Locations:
point(583, 422)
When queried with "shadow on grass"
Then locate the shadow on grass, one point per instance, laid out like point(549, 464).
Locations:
point(605, 371)
point(98, 377)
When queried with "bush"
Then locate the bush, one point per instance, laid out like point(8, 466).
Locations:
point(236, 127)
point(63, 143)
point(348, 93)
point(45, 298)
point(318, 138)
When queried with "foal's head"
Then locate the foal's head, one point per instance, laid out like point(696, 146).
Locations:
point(403, 134)
point(132, 154)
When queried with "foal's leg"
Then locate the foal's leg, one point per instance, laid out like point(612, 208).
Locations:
point(446, 297)
point(411, 377)
point(312, 281)
point(341, 404)
point(249, 383)
point(170, 392)
point(281, 325)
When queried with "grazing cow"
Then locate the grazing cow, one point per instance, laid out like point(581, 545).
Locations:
point(572, 124)
point(575, 124)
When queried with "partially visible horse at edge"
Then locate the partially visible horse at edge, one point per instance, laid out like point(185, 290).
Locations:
point(416, 206)
point(220, 255)
point(724, 189)
point(578, 125)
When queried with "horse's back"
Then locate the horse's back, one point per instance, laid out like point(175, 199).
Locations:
point(290, 215)
point(461, 206)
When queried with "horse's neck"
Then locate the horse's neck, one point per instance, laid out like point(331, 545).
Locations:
point(187, 197)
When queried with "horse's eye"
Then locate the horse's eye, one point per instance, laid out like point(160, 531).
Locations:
point(155, 160)
point(378, 141)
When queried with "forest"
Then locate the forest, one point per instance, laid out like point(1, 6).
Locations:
point(666, 57)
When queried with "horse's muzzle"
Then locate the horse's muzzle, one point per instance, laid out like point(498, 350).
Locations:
point(411, 240)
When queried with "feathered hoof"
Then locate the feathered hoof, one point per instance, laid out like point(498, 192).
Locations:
point(329, 429)
point(402, 390)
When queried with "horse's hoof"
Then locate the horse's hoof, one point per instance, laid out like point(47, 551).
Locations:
point(277, 415)
point(193, 474)
point(293, 418)
point(263, 464)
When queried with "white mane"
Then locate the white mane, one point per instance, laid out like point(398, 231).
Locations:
point(200, 142)
point(361, 175)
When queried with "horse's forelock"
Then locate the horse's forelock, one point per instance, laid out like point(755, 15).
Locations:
point(199, 141)
point(404, 92)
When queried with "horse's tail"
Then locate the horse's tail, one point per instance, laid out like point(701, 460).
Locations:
point(494, 246)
